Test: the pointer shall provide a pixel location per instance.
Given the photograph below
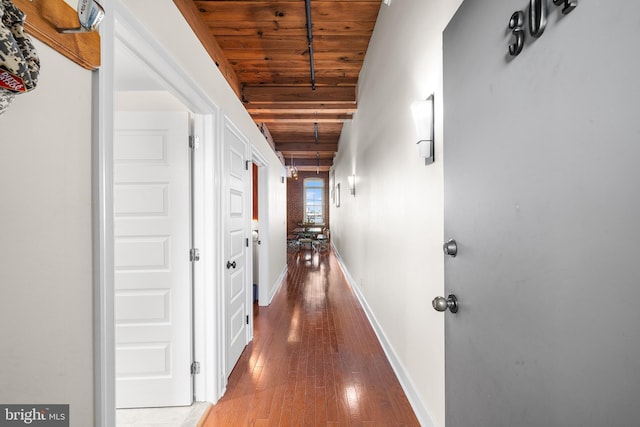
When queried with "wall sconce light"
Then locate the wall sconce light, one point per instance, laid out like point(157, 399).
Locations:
point(422, 112)
point(351, 179)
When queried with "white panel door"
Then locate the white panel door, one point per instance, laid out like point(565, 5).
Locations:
point(237, 199)
point(152, 267)
point(541, 194)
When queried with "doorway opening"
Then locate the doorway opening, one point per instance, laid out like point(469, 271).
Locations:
point(166, 79)
point(255, 230)
point(153, 230)
point(146, 82)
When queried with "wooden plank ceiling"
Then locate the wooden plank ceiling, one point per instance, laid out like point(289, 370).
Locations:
point(262, 49)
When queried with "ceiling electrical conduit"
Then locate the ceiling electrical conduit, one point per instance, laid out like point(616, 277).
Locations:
point(310, 40)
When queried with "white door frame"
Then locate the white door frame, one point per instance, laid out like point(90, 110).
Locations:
point(263, 226)
point(120, 24)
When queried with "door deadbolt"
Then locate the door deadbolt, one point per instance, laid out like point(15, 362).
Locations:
point(442, 303)
point(450, 248)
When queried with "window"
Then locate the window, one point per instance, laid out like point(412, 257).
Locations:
point(314, 201)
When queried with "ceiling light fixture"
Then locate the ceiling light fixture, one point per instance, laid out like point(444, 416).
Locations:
point(293, 170)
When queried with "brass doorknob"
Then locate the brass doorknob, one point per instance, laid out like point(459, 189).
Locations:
point(442, 303)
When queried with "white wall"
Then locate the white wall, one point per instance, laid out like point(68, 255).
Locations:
point(181, 43)
point(390, 234)
point(147, 101)
point(46, 338)
point(277, 246)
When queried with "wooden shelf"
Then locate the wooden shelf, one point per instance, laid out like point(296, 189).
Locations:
point(44, 17)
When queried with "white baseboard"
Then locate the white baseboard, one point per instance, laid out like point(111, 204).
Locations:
point(407, 385)
point(278, 285)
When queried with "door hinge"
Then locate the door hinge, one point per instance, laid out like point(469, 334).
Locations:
point(246, 164)
point(194, 142)
point(247, 319)
point(246, 240)
point(195, 368)
point(194, 254)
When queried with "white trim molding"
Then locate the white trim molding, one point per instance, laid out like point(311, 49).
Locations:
point(103, 262)
point(279, 282)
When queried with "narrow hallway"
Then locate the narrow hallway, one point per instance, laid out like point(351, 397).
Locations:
point(314, 360)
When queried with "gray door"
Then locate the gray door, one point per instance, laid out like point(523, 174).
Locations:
point(542, 195)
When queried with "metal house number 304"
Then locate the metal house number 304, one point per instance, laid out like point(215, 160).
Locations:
point(537, 21)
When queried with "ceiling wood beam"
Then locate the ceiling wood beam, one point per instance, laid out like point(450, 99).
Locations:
point(298, 94)
point(311, 147)
point(308, 162)
point(303, 138)
point(307, 155)
point(294, 77)
point(313, 168)
point(273, 41)
point(192, 16)
point(285, 126)
point(292, 108)
point(301, 118)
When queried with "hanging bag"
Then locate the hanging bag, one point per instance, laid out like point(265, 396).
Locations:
point(19, 63)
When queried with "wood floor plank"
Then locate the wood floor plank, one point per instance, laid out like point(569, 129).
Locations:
point(314, 359)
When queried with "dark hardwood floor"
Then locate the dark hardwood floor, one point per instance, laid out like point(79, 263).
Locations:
point(314, 359)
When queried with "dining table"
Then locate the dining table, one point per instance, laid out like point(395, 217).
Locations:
point(308, 225)
point(307, 230)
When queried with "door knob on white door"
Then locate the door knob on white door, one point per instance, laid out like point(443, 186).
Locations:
point(450, 248)
point(442, 303)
